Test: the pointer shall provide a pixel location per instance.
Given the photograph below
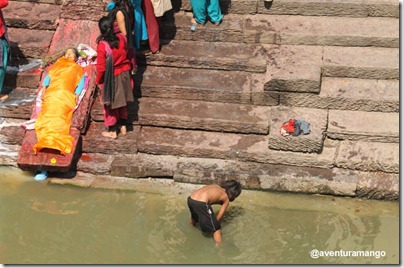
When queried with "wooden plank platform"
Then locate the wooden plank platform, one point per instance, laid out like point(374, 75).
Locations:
point(47, 159)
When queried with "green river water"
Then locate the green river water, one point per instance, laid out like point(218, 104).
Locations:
point(42, 223)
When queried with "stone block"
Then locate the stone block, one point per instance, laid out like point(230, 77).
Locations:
point(361, 62)
point(293, 68)
point(95, 163)
point(207, 55)
point(379, 185)
point(226, 117)
point(366, 126)
point(368, 156)
point(310, 143)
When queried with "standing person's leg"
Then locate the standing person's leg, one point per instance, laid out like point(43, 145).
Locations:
point(5, 49)
point(152, 26)
point(110, 120)
point(199, 11)
point(214, 11)
point(122, 113)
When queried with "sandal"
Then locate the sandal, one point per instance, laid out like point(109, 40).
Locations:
point(193, 27)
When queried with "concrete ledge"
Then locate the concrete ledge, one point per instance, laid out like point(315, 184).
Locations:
point(368, 156)
point(311, 143)
point(357, 125)
point(203, 115)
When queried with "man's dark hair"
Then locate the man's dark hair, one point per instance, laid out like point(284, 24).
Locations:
point(232, 188)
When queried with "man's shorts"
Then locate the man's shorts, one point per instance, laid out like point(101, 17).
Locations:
point(203, 213)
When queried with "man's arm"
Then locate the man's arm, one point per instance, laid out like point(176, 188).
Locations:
point(223, 208)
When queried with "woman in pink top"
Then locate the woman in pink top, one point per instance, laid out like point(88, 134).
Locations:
point(113, 78)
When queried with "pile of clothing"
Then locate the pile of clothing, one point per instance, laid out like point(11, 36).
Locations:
point(295, 127)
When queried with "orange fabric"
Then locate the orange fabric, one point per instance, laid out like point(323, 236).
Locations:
point(54, 120)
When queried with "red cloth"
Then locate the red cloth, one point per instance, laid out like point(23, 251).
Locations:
point(3, 4)
point(288, 126)
point(152, 25)
point(120, 61)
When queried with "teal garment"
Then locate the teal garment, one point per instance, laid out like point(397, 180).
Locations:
point(202, 8)
point(79, 88)
point(5, 53)
point(140, 28)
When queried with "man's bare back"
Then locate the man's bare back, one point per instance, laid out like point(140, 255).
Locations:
point(212, 194)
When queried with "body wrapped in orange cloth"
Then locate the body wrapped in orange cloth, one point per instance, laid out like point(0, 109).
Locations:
point(53, 123)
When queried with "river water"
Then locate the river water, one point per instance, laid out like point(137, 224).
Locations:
point(51, 224)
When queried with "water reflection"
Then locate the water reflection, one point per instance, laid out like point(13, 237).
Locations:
point(45, 224)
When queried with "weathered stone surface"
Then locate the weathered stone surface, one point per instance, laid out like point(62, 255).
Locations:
point(11, 132)
point(97, 163)
point(83, 10)
point(197, 84)
point(206, 55)
point(9, 154)
point(32, 15)
point(357, 125)
point(79, 181)
point(94, 142)
point(203, 144)
point(97, 113)
point(293, 68)
point(310, 180)
point(18, 104)
point(26, 80)
point(29, 43)
point(368, 156)
point(70, 33)
point(110, 183)
point(52, 2)
point(379, 185)
point(361, 62)
point(349, 94)
point(143, 166)
point(320, 30)
point(311, 143)
point(204, 115)
point(384, 8)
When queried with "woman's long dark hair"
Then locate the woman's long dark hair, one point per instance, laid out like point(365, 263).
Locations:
point(105, 25)
point(128, 11)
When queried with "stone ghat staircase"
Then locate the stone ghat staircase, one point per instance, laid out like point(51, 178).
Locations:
point(210, 105)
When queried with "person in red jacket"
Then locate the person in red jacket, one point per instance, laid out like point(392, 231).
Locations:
point(4, 49)
point(113, 78)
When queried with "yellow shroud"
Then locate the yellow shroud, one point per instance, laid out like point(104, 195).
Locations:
point(53, 123)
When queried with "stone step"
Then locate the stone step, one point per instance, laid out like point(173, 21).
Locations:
point(369, 156)
point(201, 84)
point(345, 8)
point(32, 15)
point(256, 175)
point(225, 117)
point(300, 68)
point(310, 143)
point(19, 103)
point(288, 30)
point(27, 43)
point(29, 79)
point(206, 55)
point(365, 126)
point(52, 2)
point(204, 144)
point(349, 94)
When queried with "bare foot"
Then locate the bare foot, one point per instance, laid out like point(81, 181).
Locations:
point(123, 130)
point(3, 97)
point(109, 134)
